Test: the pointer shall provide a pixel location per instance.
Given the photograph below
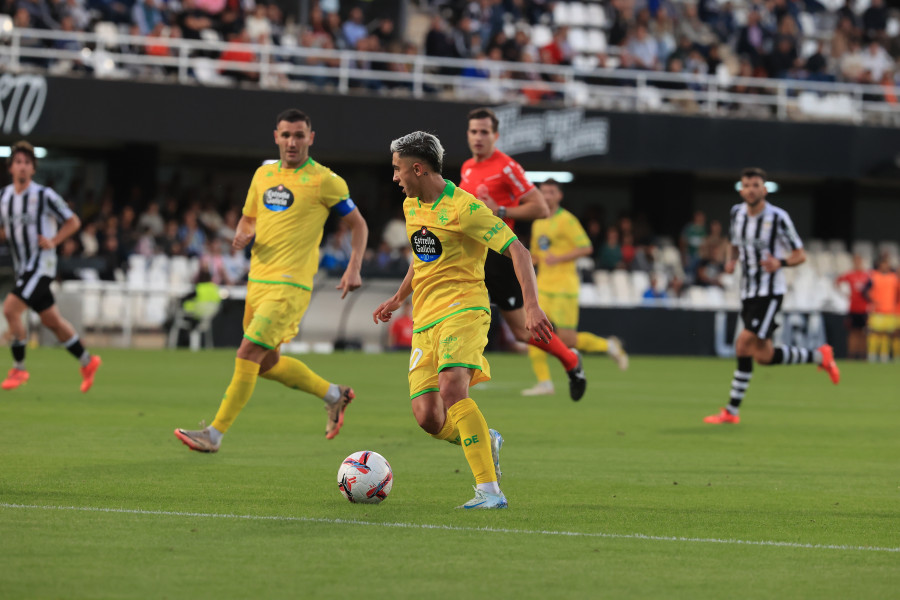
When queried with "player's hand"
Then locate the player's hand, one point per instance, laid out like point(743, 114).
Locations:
point(385, 310)
point(45, 243)
point(551, 259)
point(729, 266)
point(349, 282)
point(770, 264)
point(538, 324)
point(241, 240)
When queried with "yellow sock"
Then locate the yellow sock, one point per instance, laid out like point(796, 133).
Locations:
point(448, 433)
point(588, 342)
point(296, 375)
point(874, 342)
point(885, 345)
point(896, 348)
point(539, 363)
point(238, 393)
point(476, 439)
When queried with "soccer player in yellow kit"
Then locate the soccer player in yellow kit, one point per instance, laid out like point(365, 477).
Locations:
point(451, 231)
point(556, 243)
point(286, 208)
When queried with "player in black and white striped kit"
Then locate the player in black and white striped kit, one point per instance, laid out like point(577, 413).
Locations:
point(36, 220)
point(764, 242)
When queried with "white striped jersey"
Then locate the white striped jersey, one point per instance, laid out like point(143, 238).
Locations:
point(36, 211)
point(770, 233)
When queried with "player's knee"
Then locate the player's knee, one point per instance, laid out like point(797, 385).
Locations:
point(427, 420)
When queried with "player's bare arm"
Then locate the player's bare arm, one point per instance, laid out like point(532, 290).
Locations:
point(68, 229)
point(731, 254)
point(359, 237)
point(532, 206)
point(553, 259)
point(386, 309)
point(535, 320)
point(246, 229)
point(772, 264)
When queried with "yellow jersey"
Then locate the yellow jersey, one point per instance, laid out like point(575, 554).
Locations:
point(290, 207)
point(559, 234)
point(450, 239)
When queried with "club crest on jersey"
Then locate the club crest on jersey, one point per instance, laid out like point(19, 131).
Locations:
point(278, 198)
point(544, 242)
point(426, 245)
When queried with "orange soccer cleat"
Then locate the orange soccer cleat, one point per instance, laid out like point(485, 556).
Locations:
point(828, 365)
point(88, 371)
point(722, 418)
point(14, 379)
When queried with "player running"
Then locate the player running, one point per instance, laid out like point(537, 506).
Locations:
point(36, 220)
point(286, 208)
point(500, 182)
point(556, 243)
point(763, 238)
point(451, 231)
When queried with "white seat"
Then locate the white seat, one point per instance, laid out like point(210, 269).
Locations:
point(577, 13)
point(561, 14)
point(210, 35)
point(107, 34)
point(640, 282)
point(203, 314)
point(596, 41)
point(578, 39)
point(621, 288)
point(837, 246)
point(596, 17)
point(541, 35)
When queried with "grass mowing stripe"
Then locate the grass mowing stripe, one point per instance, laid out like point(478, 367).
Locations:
point(618, 536)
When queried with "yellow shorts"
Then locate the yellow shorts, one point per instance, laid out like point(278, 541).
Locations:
point(457, 341)
point(561, 309)
point(272, 313)
point(882, 322)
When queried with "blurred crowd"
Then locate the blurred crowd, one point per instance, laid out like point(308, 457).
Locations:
point(798, 39)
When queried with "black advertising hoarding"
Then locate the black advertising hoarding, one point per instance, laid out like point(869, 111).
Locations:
point(211, 121)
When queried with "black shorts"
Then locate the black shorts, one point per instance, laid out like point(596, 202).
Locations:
point(857, 320)
point(34, 291)
point(502, 283)
point(760, 315)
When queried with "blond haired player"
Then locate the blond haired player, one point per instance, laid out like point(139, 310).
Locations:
point(286, 208)
point(556, 243)
point(451, 231)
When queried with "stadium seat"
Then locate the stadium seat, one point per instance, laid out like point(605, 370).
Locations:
point(596, 41)
point(596, 17)
point(541, 35)
point(621, 288)
point(578, 39)
point(814, 245)
point(205, 313)
point(837, 246)
point(107, 35)
point(587, 295)
point(864, 248)
point(640, 282)
point(561, 14)
point(892, 249)
point(577, 13)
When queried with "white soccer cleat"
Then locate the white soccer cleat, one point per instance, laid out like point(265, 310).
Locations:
point(617, 352)
point(541, 388)
point(485, 500)
point(198, 440)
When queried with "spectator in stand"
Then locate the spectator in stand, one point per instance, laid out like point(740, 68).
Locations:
point(655, 294)
point(354, 28)
point(692, 237)
point(334, 29)
point(618, 23)
point(559, 50)
point(146, 15)
point(146, 243)
point(609, 256)
point(151, 220)
point(192, 20)
point(238, 52)
point(213, 261)
point(753, 39)
point(690, 26)
point(236, 264)
point(258, 26)
point(849, 13)
point(629, 251)
point(88, 238)
point(874, 20)
point(875, 63)
point(438, 41)
point(643, 50)
point(191, 235)
point(81, 17)
point(781, 62)
point(858, 281)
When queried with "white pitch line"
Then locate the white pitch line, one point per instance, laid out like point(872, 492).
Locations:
point(586, 534)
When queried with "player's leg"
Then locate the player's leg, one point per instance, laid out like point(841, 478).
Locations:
point(744, 347)
point(66, 334)
point(896, 339)
point(506, 293)
point(13, 309)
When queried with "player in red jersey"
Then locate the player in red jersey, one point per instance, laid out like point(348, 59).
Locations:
point(858, 279)
point(500, 182)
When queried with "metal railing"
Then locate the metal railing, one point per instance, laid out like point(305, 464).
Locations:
point(110, 54)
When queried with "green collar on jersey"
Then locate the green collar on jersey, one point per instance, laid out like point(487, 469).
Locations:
point(308, 161)
point(448, 191)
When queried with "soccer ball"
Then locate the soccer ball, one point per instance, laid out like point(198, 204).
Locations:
point(365, 477)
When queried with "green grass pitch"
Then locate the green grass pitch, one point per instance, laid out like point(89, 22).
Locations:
point(626, 494)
